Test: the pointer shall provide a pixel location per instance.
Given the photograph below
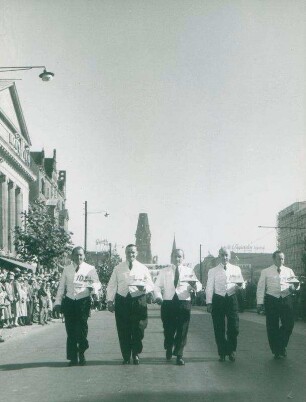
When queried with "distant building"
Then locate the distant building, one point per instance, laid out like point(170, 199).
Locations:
point(251, 265)
point(50, 186)
point(291, 234)
point(16, 176)
point(143, 239)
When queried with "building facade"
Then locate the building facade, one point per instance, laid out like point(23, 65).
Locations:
point(143, 239)
point(16, 175)
point(251, 265)
point(291, 235)
point(50, 186)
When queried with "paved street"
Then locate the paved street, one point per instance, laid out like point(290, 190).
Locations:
point(33, 366)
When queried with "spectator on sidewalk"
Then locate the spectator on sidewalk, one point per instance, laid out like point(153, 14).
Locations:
point(21, 306)
point(43, 303)
point(12, 297)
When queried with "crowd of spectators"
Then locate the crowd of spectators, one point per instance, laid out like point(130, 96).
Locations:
point(26, 297)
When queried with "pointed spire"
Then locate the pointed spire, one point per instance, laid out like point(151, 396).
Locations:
point(173, 250)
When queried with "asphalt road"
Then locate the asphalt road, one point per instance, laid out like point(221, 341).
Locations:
point(33, 366)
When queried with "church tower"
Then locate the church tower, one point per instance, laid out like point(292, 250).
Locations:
point(172, 252)
point(143, 240)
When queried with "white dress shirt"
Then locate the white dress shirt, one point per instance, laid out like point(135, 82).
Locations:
point(164, 284)
point(273, 283)
point(122, 278)
point(223, 281)
point(75, 284)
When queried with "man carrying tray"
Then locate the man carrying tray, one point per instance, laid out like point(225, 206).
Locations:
point(274, 291)
point(222, 284)
point(172, 291)
point(78, 282)
point(126, 296)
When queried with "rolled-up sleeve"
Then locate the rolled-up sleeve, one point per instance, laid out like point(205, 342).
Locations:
point(261, 288)
point(112, 286)
point(209, 287)
point(96, 285)
point(158, 286)
point(149, 282)
point(61, 288)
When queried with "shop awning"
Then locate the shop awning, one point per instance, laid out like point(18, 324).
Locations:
point(10, 263)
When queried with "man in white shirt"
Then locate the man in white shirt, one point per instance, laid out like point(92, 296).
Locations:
point(172, 291)
point(78, 281)
point(274, 289)
point(126, 295)
point(222, 283)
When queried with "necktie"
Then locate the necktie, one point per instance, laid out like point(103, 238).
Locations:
point(77, 268)
point(224, 267)
point(130, 265)
point(176, 276)
point(278, 270)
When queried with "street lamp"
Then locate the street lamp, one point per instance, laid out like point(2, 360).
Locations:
point(45, 75)
point(106, 214)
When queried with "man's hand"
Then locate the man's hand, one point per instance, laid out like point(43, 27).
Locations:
point(110, 306)
point(57, 308)
point(260, 308)
point(209, 308)
point(159, 301)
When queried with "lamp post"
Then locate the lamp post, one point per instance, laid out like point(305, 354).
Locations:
point(106, 214)
point(45, 75)
point(201, 262)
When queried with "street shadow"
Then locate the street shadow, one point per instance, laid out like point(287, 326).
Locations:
point(144, 361)
point(175, 396)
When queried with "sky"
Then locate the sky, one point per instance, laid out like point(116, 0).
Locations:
point(191, 111)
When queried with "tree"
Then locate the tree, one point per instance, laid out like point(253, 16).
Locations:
point(40, 239)
point(105, 264)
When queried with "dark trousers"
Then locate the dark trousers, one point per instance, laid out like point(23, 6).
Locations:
point(225, 311)
point(175, 315)
point(76, 314)
point(279, 311)
point(131, 319)
point(30, 308)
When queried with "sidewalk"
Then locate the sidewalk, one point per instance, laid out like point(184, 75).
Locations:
point(9, 334)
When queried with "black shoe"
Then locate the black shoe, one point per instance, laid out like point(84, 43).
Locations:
point(1, 339)
point(136, 360)
point(277, 356)
point(127, 361)
point(82, 360)
point(283, 353)
point(180, 361)
point(232, 356)
point(73, 362)
point(169, 354)
point(222, 358)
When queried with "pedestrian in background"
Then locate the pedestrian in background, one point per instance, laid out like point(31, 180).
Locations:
point(173, 289)
point(43, 300)
point(222, 284)
point(78, 281)
point(126, 295)
point(274, 292)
